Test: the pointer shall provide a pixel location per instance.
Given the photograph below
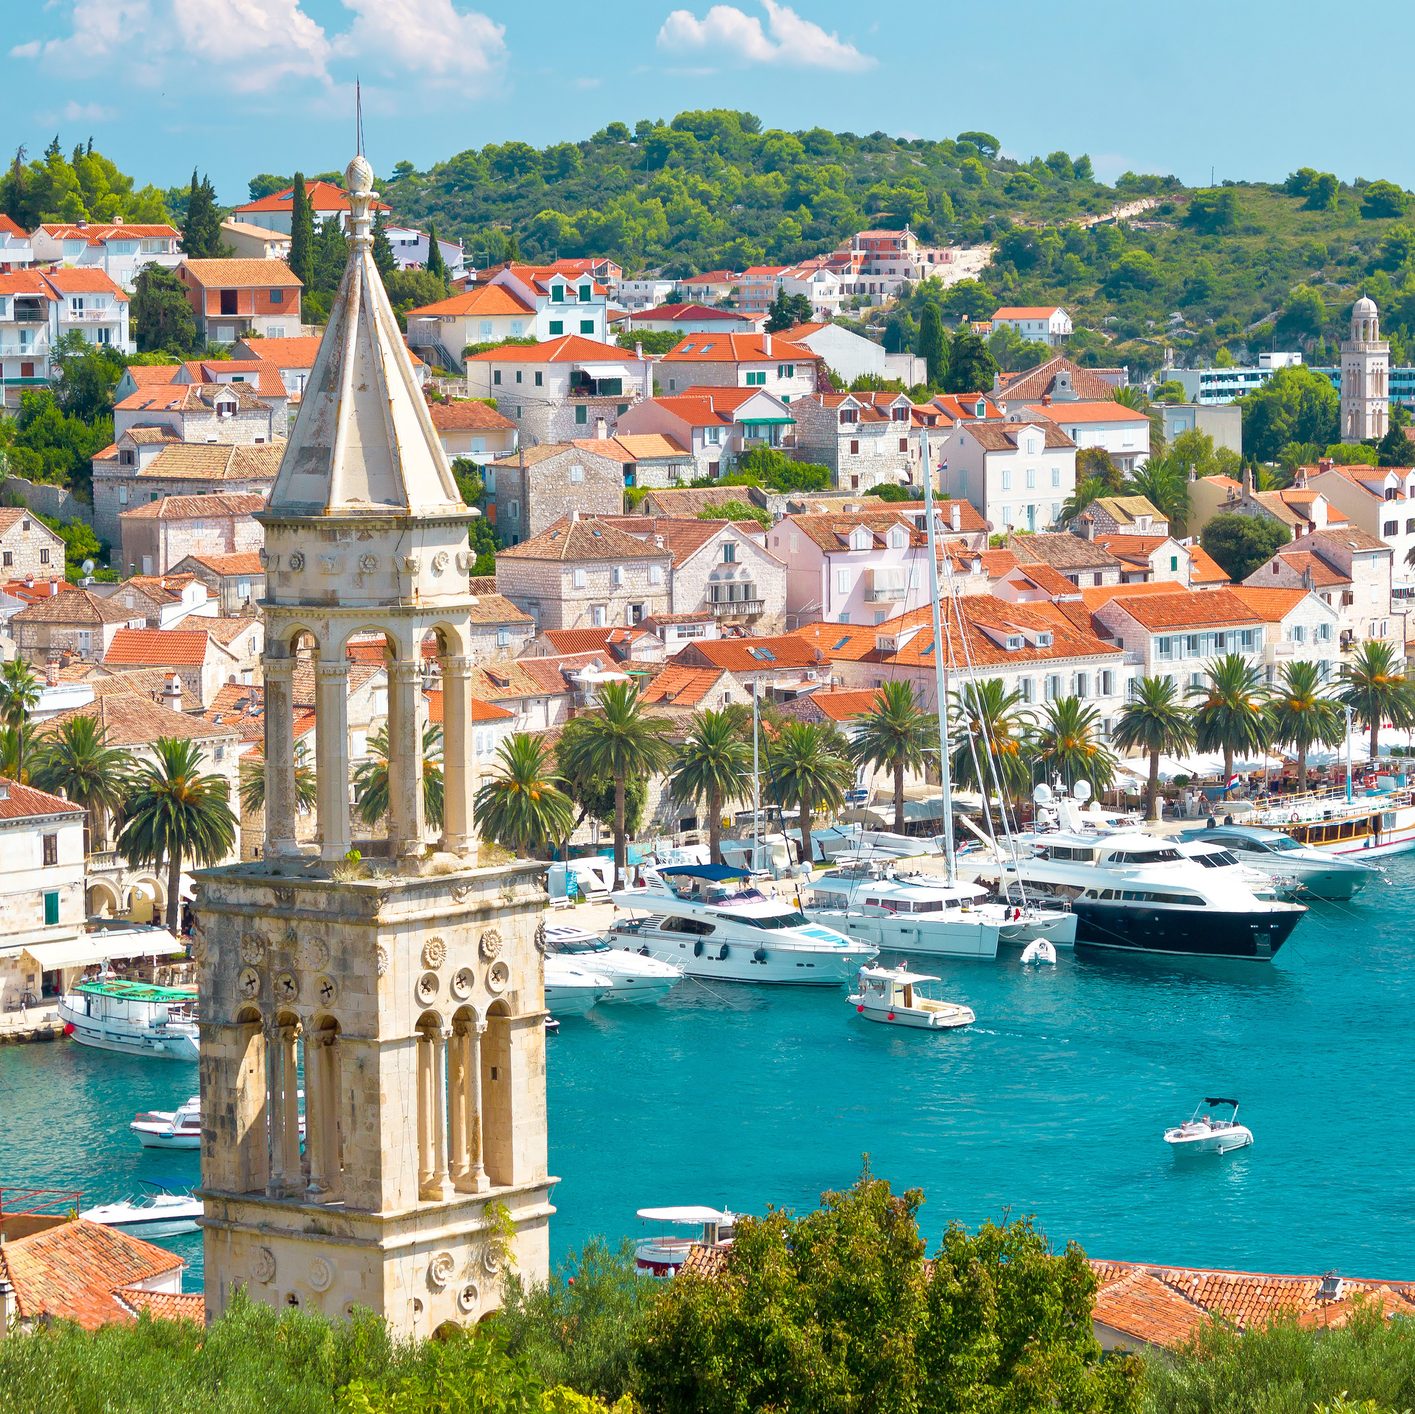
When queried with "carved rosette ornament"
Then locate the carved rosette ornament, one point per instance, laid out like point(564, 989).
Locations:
point(368, 563)
point(441, 1270)
point(296, 561)
point(326, 992)
point(434, 952)
point(263, 1269)
point(490, 945)
point(540, 938)
point(315, 955)
point(380, 960)
point(248, 982)
point(252, 947)
point(321, 1274)
point(469, 1298)
point(491, 1260)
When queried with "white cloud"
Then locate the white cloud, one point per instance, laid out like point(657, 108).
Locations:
point(786, 38)
point(261, 42)
point(98, 28)
point(432, 38)
point(73, 112)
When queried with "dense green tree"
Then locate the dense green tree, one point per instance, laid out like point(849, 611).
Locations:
point(932, 345)
point(617, 741)
point(787, 311)
point(58, 447)
point(992, 731)
point(807, 769)
point(1213, 210)
point(522, 807)
point(971, 368)
point(1294, 405)
point(713, 768)
point(1012, 353)
point(1240, 543)
point(435, 265)
point(175, 813)
point(160, 312)
point(1230, 709)
point(201, 231)
point(85, 376)
point(1394, 449)
point(895, 734)
point(74, 757)
point(1068, 742)
point(1304, 316)
point(371, 780)
point(769, 467)
point(301, 260)
point(1383, 200)
point(654, 342)
point(1154, 721)
point(1374, 684)
point(1166, 487)
point(19, 696)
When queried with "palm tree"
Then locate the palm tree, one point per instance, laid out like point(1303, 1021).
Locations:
point(1166, 486)
point(808, 766)
point(993, 732)
point(1375, 687)
point(1068, 741)
point(1156, 721)
point(252, 785)
point(618, 741)
point(522, 808)
point(19, 696)
point(714, 766)
point(75, 757)
point(1230, 715)
point(371, 778)
point(894, 735)
point(176, 813)
point(1301, 714)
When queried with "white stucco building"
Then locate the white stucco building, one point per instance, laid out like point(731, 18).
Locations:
point(1017, 474)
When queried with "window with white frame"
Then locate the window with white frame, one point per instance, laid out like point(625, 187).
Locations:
point(503, 637)
point(1006, 480)
point(655, 574)
point(577, 578)
point(599, 615)
point(842, 581)
point(616, 576)
point(1107, 683)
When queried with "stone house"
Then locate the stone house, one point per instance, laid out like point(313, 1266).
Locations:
point(183, 470)
point(205, 411)
point(1082, 561)
point(866, 439)
point(1299, 508)
point(1377, 500)
point(559, 390)
point(157, 536)
point(533, 690)
point(471, 429)
point(1176, 635)
point(234, 298)
point(80, 623)
point(715, 425)
point(499, 628)
point(539, 485)
point(28, 546)
point(1146, 558)
point(1122, 433)
point(582, 574)
point(679, 690)
point(718, 566)
point(292, 357)
point(1302, 626)
point(249, 374)
point(167, 599)
point(236, 581)
point(1121, 515)
point(197, 657)
point(787, 371)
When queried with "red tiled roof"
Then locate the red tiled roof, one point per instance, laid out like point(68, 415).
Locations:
point(97, 235)
point(1188, 608)
point(153, 375)
point(83, 282)
point(1203, 568)
point(681, 686)
point(569, 348)
point(1090, 412)
point(323, 196)
point(683, 312)
point(1324, 576)
point(165, 1305)
point(24, 802)
point(468, 415)
point(752, 655)
point(1034, 384)
point(1096, 595)
point(239, 564)
point(159, 647)
point(197, 507)
point(296, 352)
point(477, 299)
point(1027, 311)
point(254, 274)
point(568, 540)
point(1270, 604)
point(481, 711)
point(1002, 436)
point(842, 704)
point(737, 348)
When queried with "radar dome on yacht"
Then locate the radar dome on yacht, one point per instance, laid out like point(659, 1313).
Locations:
point(1042, 795)
point(1082, 790)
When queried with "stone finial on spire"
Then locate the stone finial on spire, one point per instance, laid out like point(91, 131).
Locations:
point(358, 181)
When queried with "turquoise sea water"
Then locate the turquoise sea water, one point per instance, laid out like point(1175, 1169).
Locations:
point(1053, 1104)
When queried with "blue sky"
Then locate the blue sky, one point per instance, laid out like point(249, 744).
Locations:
point(1251, 89)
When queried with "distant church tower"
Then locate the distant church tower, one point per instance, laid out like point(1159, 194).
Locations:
point(408, 1005)
point(1365, 376)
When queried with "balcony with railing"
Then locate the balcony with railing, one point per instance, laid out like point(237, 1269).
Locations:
point(583, 385)
point(108, 315)
point(740, 601)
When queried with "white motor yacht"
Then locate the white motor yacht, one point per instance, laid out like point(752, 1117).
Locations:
point(170, 1129)
point(1310, 873)
point(162, 1210)
point(633, 976)
point(663, 1254)
point(571, 989)
point(1208, 1134)
point(1139, 893)
point(710, 921)
point(897, 997)
point(136, 1018)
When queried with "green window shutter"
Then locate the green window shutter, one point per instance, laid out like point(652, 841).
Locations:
point(51, 909)
point(582, 415)
point(557, 326)
point(557, 293)
point(540, 379)
point(586, 293)
point(587, 326)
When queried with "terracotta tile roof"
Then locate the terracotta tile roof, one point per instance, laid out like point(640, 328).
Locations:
point(468, 415)
point(193, 461)
point(485, 300)
point(296, 352)
point(1027, 311)
point(839, 704)
point(261, 377)
point(71, 1271)
point(494, 608)
point(83, 282)
point(1147, 1309)
point(505, 682)
point(578, 640)
point(1203, 568)
point(682, 536)
point(645, 446)
point(1094, 596)
point(1036, 383)
point(1270, 604)
point(681, 686)
point(1126, 510)
point(271, 274)
point(1339, 539)
point(751, 655)
point(1002, 436)
point(165, 1305)
point(683, 501)
point(737, 348)
point(227, 630)
point(239, 708)
point(165, 647)
point(832, 532)
point(153, 375)
point(1133, 549)
point(26, 282)
point(24, 802)
point(481, 711)
point(569, 348)
point(574, 540)
point(33, 591)
point(1188, 608)
point(241, 503)
point(82, 607)
point(9, 227)
point(1061, 550)
point(130, 719)
point(970, 520)
point(190, 397)
point(685, 312)
point(1048, 580)
point(148, 437)
point(323, 196)
point(1324, 576)
point(104, 681)
point(947, 408)
point(245, 563)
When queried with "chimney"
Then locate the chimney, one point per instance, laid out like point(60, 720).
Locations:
point(172, 693)
point(574, 515)
point(53, 585)
point(1299, 478)
point(51, 673)
point(766, 344)
point(1046, 400)
point(1247, 481)
point(1325, 464)
point(29, 581)
point(601, 429)
point(955, 516)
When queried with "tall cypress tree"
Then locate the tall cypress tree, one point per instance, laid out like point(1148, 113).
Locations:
point(301, 232)
point(933, 344)
point(435, 264)
point(201, 233)
point(383, 256)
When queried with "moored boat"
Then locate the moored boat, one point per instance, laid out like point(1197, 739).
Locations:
point(633, 977)
point(895, 996)
point(136, 1018)
point(170, 1129)
point(162, 1210)
point(663, 1254)
point(1371, 824)
point(1308, 872)
point(1209, 1134)
point(571, 990)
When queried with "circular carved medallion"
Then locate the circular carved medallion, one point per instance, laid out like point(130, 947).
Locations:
point(498, 976)
point(462, 983)
point(491, 945)
point(380, 959)
point(325, 991)
point(264, 1268)
point(368, 563)
point(541, 946)
point(468, 1298)
point(439, 562)
point(297, 560)
point(252, 947)
point(321, 1274)
point(434, 952)
point(287, 986)
point(427, 987)
point(491, 1260)
point(315, 955)
point(248, 983)
point(440, 1270)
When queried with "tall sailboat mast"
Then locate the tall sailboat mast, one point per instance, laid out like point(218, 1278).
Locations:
point(940, 679)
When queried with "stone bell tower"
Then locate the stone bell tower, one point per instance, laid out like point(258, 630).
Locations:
point(1365, 376)
point(388, 1006)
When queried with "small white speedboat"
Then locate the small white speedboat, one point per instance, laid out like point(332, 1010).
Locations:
point(163, 1210)
point(633, 976)
point(664, 1253)
point(571, 990)
point(1039, 953)
point(170, 1129)
point(894, 996)
point(1208, 1133)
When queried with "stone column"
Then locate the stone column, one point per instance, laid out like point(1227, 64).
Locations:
point(476, 1180)
point(459, 1159)
point(275, 1109)
point(319, 1112)
point(425, 1155)
point(279, 675)
point(459, 767)
point(331, 705)
point(291, 1168)
point(440, 1188)
point(405, 762)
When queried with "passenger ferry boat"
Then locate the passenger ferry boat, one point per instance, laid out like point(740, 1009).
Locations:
point(136, 1018)
point(1374, 823)
point(706, 919)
